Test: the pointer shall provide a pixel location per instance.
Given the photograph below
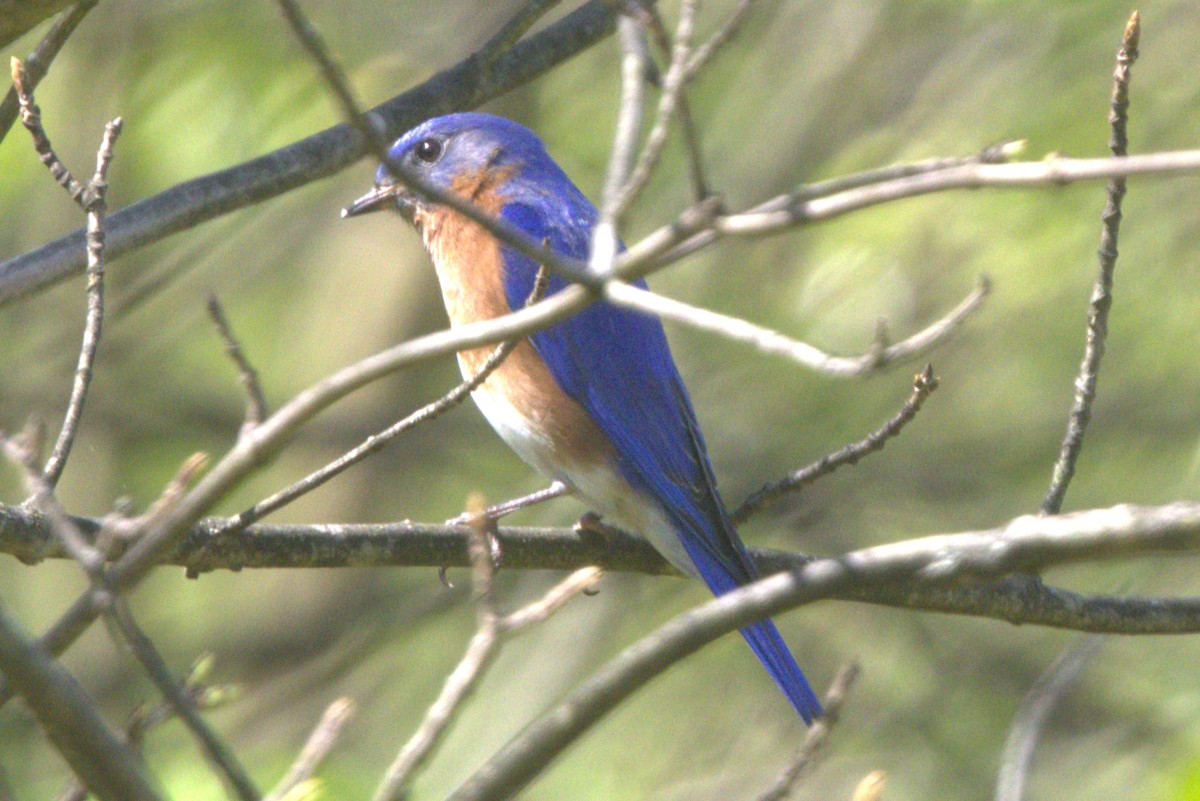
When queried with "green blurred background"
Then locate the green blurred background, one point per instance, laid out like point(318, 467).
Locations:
point(809, 90)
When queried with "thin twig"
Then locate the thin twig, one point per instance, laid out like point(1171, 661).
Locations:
point(816, 737)
point(704, 53)
point(316, 749)
point(42, 497)
point(605, 243)
point(91, 199)
point(924, 383)
point(652, 19)
point(1102, 298)
point(31, 118)
point(695, 155)
point(491, 629)
point(556, 489)
point(39, 61)
point(335, 79)
point(378, 441)
point(634, 61)
point(1000, 153)
point(673, 85)
point(1017, 758)
point(222, 758)
point(256, 402)
point(146, 717)
point(461, 682)
point(95, 206)
point(774, 343)
point(1053, 171)
point(540, 610)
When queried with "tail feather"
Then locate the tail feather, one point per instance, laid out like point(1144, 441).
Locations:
point(771, 650)
point(764, 639)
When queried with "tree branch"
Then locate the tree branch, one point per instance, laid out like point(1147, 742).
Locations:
point(186, 205)
point(1102, 298)
point(62, 707)
point(39, 61)
point(1030, 543)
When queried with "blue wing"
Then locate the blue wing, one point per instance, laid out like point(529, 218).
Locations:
point(617, 366)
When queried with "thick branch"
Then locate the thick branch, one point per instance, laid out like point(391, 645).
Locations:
point(94, 751)
point(1026, 544)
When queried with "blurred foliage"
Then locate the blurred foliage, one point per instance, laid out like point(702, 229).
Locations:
point(809, 90)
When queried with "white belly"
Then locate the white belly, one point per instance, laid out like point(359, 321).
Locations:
point(598, 484)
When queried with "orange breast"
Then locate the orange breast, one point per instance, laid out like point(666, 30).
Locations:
point(520, 398)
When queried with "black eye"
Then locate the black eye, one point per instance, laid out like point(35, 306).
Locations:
point(428, 150)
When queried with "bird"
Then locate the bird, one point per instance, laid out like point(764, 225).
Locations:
point(595, 401)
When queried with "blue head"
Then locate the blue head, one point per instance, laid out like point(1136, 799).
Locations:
point(471, 154)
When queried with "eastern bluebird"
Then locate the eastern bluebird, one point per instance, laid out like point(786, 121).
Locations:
point(594, 401)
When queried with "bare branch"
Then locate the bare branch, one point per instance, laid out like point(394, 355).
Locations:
point(1053, 171)
point(634, 63)
point(649, 16)
point(94, 205)
point(541, 609)
point(557, 489)
point(668, 102)
point(483, 648)
point(70, 718)
point(31, 118)
point(319, 744)
point(704, 53)
point(924, 384)
point(816, 737)
point(222, 758)
point(91, 199)
point(1102, 298)
point(1030, 543)
point(256, 402)
point(39, 61)
point(774, 343)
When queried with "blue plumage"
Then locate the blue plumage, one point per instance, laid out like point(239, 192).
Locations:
point(615, 364)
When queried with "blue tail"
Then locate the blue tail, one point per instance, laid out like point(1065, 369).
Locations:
point(724, 576)
point(770, 649)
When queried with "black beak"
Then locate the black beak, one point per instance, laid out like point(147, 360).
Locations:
point(381, 197)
